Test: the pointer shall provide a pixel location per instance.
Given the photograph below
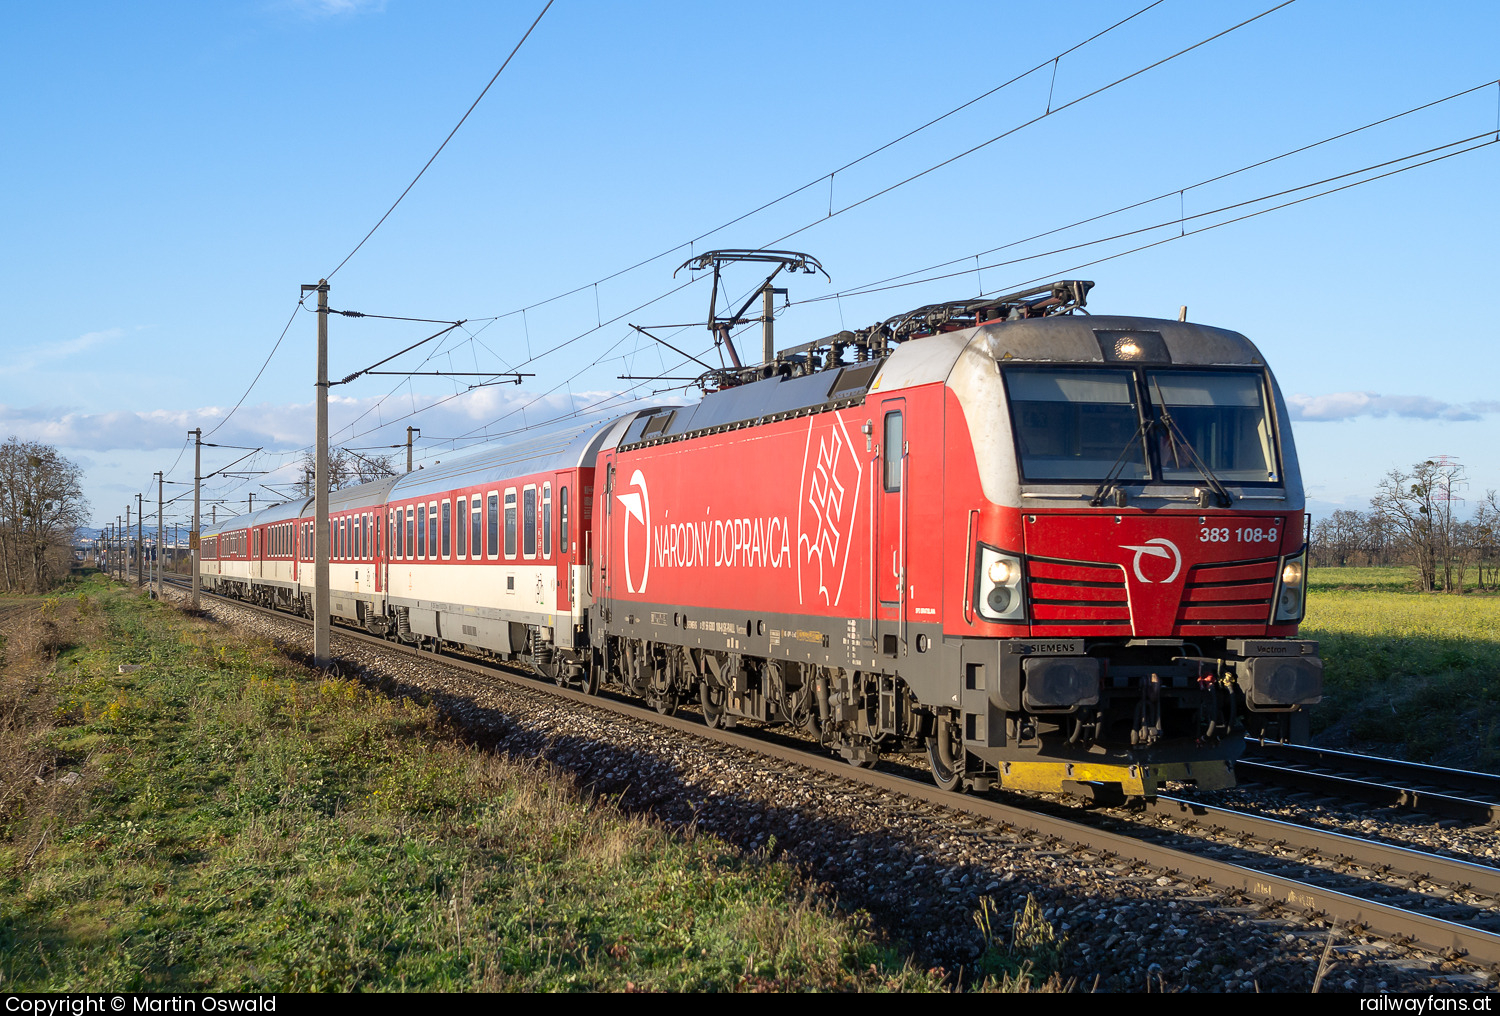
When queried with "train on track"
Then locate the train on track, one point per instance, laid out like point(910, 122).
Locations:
point(1047, 550)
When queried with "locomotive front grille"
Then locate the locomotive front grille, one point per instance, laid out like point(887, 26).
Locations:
point(1232, 596)
point(1067, 595)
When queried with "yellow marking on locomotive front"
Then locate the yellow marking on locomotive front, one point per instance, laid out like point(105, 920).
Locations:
point(1133, 780)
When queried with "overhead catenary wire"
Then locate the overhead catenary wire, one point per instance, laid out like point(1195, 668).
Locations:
point(1178, 220)
point(1175, 191)
point(829, 175)
point(1263, 211)
point(601, 323)
point(1050, 112)
point(440, 147)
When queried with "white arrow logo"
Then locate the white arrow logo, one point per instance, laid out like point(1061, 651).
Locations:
point(637, 506)
point(1158, 547)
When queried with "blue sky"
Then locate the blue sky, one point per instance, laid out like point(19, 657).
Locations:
point(173, 172)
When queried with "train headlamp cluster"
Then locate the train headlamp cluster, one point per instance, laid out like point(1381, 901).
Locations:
point(1000, 596)
point(1291, 589)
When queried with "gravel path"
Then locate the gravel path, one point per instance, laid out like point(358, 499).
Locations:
point(918, 871)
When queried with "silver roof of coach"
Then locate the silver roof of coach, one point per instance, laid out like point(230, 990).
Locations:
point(564, 449)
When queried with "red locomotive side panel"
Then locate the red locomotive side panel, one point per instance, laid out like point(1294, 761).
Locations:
point(790, 517)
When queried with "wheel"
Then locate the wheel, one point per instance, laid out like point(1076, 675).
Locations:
point(712, 699)
point(947, 774)
point(665, 703)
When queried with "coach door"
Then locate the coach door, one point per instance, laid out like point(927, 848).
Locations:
point(890, 491)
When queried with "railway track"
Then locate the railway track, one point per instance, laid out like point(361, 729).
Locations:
point(1441, 904)
point(1457, 793)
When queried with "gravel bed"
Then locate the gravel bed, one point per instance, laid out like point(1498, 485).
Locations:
point(919, 872)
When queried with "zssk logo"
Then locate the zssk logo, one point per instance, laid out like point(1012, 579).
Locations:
point(1159, 547)
point(637, 506)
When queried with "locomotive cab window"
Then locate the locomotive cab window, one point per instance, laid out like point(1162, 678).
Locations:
point(894, 450)
point(1076, 424)
point(1222, 414)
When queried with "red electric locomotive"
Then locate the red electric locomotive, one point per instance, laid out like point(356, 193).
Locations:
point(1049, 550)
point(1052, 551)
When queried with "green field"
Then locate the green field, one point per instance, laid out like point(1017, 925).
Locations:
point(1408, 673)
point(225, 820)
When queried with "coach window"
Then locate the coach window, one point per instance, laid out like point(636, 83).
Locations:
point(432, 531)
point(411, 544)
point(461, 527)
point(494, 525)
point(546, 520)
point(476, 530)
point(510, 523)
point(894, 451)
point(421, 530)
point(364, 535)
point(528, 522)
point(447, 529)
point(562, 520)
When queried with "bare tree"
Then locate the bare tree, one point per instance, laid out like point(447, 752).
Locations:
point(346, 468)
point(1407, 504)
point(1487, 539)
point(41, 507)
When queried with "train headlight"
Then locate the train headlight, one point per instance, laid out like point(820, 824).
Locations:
point(999, 596)
point(1291, 589)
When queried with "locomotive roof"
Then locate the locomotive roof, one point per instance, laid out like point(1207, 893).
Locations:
point(757, 402)
point(1063, 338)
point(564, 449)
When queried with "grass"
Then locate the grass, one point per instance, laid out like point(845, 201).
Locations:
point(225, 820)
point(1415, 674)
point(1397, 578)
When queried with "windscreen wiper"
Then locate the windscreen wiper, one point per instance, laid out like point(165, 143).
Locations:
point(1175, 433)
point(1108, 483)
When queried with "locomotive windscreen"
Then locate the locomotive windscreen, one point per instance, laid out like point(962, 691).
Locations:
point(1223, 414)
point(1076, 424)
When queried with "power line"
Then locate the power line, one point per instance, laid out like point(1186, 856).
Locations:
point(440, 147)
point(1176, 191)
point(1263, 211)
point(1022, 126)
point(259, 372)
point(832, 173)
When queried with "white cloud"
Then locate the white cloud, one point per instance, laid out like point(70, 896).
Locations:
point(42, 352)
point(352, 421)
point(1349, 405)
